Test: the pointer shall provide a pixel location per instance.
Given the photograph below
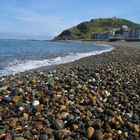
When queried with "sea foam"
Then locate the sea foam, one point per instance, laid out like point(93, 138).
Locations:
point(21, 66)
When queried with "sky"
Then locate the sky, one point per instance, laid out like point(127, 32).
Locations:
point(44, 19)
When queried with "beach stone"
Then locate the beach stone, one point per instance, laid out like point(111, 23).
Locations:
point(51, 118)
point(2, 134)
point(98, 135)
point(97, 125)
point(100, 110)
point(64, 133)
point(16, 99)
point(19, 128)
point(81, 108)
point(106, 93)
point(109, 136)
point(75, 127)
point(21, 108)
point(58, 125)
point(43, 137)
point(36, 103)
point(126, 134)
point(85, 88)
point(76, 136)
point(8, 137)
point(119, 132)
point(26, 115)
point(128, 116)
point(64, 115)
point(70, 117)
point(7, 98)
point(28, 135)
point(39, 107)
point(71, 91)
point(79, 86)
point(90, 132)
point(136, 128)
point(39, 127)
point(4, 88)
point(136, 118)
point(77, 111)
point(63, 107)
point(19, 138)
point(1, 84)
point(129, 124)
point(109, 112)
point(90, 123)
point(13, 123)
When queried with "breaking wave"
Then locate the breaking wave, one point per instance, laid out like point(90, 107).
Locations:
point(23, 65)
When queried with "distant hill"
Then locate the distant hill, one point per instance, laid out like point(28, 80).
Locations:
point(84, 30)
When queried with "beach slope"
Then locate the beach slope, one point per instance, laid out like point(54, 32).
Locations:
point(96, 97)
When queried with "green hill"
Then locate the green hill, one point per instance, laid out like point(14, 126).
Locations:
point(84, 30)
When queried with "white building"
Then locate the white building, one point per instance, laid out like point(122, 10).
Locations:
point(101, 35)
point(134, 33)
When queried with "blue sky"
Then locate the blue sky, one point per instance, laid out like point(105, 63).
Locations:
point(42, 19)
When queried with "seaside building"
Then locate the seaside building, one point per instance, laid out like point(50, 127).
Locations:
point(126, 34)
point(134, 33)
point(123, 33)
point(101, 35)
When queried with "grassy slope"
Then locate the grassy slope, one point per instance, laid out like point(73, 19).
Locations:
point(85, 29)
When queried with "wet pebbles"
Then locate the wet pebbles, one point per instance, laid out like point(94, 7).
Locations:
point(94, 98)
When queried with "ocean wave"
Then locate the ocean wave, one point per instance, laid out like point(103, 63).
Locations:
point(21, 66)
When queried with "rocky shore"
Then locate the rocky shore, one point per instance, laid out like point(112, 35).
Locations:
point(95, 98)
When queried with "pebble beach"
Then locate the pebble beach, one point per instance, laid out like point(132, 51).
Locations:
point(94, 98)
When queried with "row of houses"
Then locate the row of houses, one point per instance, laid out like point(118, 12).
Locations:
point(123, 33)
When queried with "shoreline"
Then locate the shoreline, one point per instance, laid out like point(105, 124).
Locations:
point(97, 97)
point(44, 63)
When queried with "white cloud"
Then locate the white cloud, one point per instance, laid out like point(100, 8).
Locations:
point(55, 33)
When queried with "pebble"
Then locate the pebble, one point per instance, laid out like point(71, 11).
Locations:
point(8, 137)
point(16, 99)
point(75, 127)
point(90, 132)
point(98, 135)
point(97, 100)
point(64, 115)
point(100, 110)
point(26, 115)
point(70, 117)
point(19, 138)
point(136, 128)
point(119, 132)
point(43, 137)
point(36, 103)
point(109, 112)
point(13, 123)
point(58, 125)
point(21, 108)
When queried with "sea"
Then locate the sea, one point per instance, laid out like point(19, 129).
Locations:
point(22, 55)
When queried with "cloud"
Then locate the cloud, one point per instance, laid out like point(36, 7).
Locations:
point(55, 33)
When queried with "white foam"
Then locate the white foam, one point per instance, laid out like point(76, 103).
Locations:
point(21, 66)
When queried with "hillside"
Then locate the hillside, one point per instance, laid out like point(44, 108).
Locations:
point(84, 30)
